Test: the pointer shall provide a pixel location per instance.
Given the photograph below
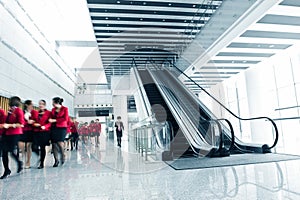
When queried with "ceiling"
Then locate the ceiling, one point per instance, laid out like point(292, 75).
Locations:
point(275, 31)
point(160, 29)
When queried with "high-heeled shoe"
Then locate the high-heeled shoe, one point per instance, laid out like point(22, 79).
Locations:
point(41, 166)
point(5, 175)
point(56, 164)
point(20, 166)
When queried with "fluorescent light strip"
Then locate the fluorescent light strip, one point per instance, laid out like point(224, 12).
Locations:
point(155, 41)
point(154, 35)
point(275, 28)
point(144, 23)
point(136, 52)
point(236, 58)
point(154, 16)
point(212, 2)
point(285, 10)
point(143, 29)
point(141, 7)
point(265, 40)
point(250, 50)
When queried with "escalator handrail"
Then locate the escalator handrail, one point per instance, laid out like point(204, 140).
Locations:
point(233, 114)
point(141, 91)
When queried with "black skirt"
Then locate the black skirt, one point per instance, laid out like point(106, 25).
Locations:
point(10, 142)
point(27, 136)
point(58, 134)
point(42, 138)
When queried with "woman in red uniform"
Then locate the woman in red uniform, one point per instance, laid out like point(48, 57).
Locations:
point(74, 135)
point(59, 120)
point(27, 137)
point(42, 130)
point(12, 129)
point(98, 132)
point(92, 131)
point(86, 132)
point(68, 136)
point(2, 121)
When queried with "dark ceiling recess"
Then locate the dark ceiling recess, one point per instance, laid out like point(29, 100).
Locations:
point(146, 29)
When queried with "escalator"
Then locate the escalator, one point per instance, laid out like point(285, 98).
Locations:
point(180, 146)
point(164, 88)
point(200, 114)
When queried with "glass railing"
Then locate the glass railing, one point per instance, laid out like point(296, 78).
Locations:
point(152, 138)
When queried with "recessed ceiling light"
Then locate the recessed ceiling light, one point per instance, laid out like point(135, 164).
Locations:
point(118, 2)
point(244, 61)
point(106, 17)
point(141, 19)
point(194, 6)
point(118, 18)
point(272, 45)
point(170, 4)
point(144, 3)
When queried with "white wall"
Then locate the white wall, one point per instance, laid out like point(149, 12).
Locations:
point(29, 64)
point(260, 91)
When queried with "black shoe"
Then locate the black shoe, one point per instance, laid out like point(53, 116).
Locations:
point(41, 166)
point(63, 161)
point(56, 164)
point(20, 166)
point(5, 175)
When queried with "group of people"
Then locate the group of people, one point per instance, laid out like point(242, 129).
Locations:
point(90, 132)
point(24, 131)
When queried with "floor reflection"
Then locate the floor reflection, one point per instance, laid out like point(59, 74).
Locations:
point(109, 172)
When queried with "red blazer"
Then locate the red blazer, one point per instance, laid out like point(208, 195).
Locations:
point(62, 117)
point(43, 121)
point(74, 127)
point(98, 127)
point(16, 115)
point(2, 119)
point(69, 123)
point(92, 128)
point(83, 130)
point(29, 127)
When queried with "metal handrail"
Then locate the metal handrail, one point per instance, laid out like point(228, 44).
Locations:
point(265, 147)
point(140, 89)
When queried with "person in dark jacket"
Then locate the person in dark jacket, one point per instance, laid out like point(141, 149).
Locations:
point(119, 130)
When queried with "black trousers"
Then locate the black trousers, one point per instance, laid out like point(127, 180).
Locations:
point(119, 140)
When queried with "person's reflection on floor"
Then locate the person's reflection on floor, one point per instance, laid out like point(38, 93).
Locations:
point(120, 162)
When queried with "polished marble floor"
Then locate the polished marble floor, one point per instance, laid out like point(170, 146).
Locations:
point(112, 173)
